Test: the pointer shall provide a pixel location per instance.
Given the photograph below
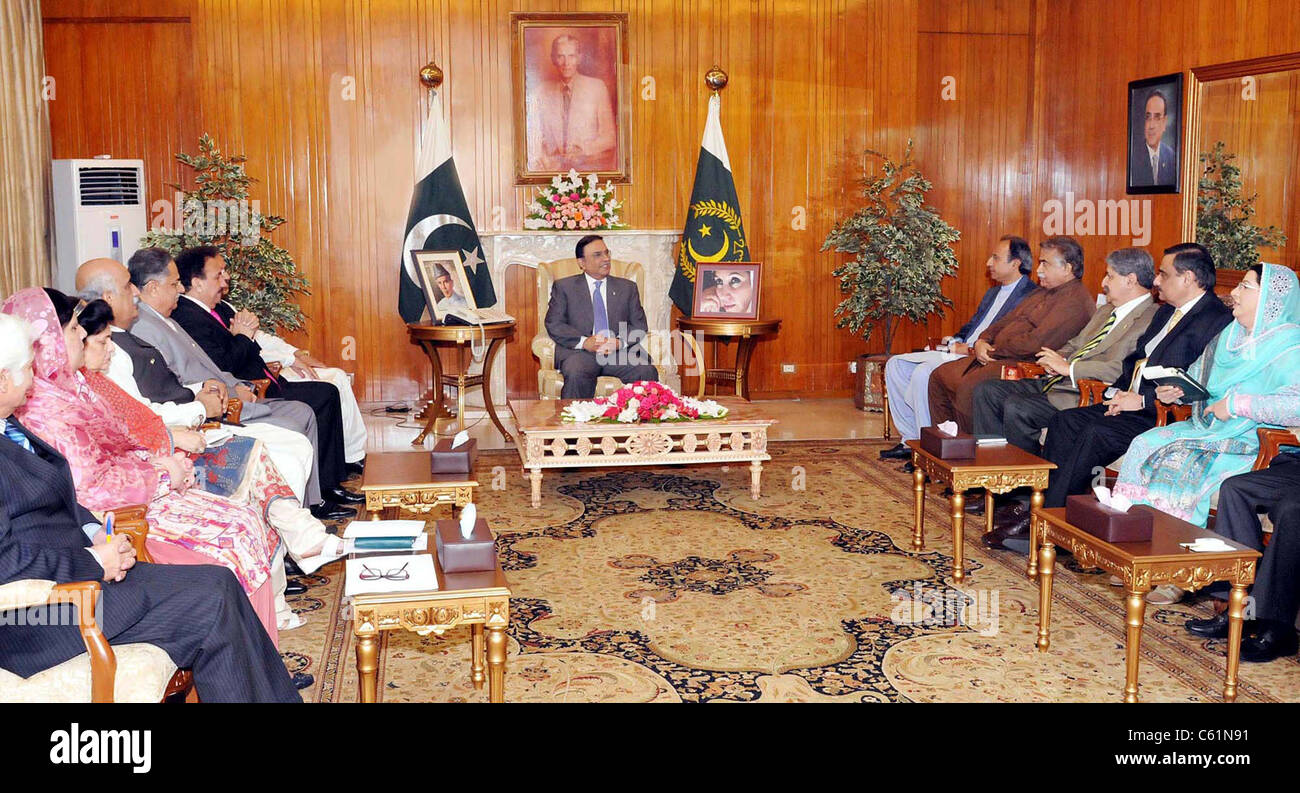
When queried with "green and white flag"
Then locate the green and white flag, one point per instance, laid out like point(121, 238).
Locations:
point(714, 232)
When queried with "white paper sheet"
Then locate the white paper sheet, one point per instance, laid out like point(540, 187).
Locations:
point(383, 528)
point(420, 566)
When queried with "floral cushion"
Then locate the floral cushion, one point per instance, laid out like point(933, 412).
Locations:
point(143, 672)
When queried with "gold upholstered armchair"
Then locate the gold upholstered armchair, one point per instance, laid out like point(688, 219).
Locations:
point(549, 379)
point(126, 673)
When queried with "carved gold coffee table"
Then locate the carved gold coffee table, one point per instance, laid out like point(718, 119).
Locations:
point(1143, 565)
point(480, 600)
point(404, 480)
point(997, 469)
point(547, 442)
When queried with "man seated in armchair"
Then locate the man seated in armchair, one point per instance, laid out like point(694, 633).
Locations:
point(197, 614)
point(598, 324)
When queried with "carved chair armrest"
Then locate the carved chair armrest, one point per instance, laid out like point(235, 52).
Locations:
point(84, 595)
point(1271, 441)
point(1169, 413)
point(544, 349)
point(1091, 392)
point(1024, 369)
point(234, 409)
point(274, 367)
point(259, 387)
point(130, 520)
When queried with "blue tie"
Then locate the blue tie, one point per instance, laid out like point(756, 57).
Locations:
point(13, 433)
point(601, 327)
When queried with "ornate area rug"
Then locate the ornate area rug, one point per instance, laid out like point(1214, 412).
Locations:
point(671, 584)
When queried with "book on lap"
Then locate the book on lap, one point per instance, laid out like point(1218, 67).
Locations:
point(1173, 376)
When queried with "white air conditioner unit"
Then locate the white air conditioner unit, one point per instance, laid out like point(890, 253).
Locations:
point(99, 211)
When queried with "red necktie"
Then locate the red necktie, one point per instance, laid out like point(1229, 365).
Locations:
point(218, 318)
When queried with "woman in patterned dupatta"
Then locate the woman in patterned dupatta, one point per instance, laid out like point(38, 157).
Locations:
point(110, 469)
point(1252, 376)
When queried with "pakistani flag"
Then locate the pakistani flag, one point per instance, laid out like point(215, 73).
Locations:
point(713, 231)
point(439, 219)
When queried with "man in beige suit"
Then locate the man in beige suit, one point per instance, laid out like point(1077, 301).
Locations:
point(570, 119)
point(1020, 409)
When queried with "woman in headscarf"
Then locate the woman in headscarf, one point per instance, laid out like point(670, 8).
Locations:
point(1253, 379)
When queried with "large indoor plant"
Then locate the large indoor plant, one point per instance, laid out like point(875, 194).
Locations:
point(263, 276)
point(1224, 217)
point(901, 252)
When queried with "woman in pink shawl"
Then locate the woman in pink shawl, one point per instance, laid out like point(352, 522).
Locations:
point(111, 470)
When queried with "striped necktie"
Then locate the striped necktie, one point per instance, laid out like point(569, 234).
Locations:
point(1084, 350)
point(14, 433)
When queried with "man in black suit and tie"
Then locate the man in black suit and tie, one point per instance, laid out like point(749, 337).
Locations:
point(598, 324)
point(228, 341)
point(197, 614)
point(1082, 441)
point(1152, 161)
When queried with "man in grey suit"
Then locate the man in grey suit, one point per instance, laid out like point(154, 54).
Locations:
point(598, 324)
point(154, 274)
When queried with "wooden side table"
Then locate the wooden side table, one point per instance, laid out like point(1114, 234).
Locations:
point(429, 338)
point(1143, 565)
point(997, 469)
point(403, 480)
point(745, 331)
point(480, 600)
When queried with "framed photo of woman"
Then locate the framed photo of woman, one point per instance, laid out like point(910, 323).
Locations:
point(571, 95)
point(727, 290)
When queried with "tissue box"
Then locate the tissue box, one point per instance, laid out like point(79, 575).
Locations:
point(947, 447)
point(459, 555)
point(460, 460)
point(1090, 515)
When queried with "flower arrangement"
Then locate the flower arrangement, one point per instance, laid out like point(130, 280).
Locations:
point(642, 401)
point(573, 202)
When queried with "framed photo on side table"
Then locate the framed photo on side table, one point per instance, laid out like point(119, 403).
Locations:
point(442, 277)
point(727, 290)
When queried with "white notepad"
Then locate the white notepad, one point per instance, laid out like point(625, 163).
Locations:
point(422, 578)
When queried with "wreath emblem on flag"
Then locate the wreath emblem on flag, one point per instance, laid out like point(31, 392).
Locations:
point(732, 246)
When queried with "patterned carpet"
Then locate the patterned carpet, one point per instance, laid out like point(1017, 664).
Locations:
point(671, 584)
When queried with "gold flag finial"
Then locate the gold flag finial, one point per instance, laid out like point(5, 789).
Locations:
point(715, 78)
point(431, 75)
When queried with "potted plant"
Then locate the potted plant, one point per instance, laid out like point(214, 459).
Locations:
point(263, 276)
point(1224, 218)
point(901, 252)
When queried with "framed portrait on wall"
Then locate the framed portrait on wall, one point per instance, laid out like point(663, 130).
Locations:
point(1155, 122)
point(442, 277)
point(727, 290)
point(571, 96)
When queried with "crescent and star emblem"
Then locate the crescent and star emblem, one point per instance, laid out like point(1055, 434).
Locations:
point(717, 256)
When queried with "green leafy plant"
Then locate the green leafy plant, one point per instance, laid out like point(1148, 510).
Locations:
point(1223, 215)
point(263, 276)
point(902, 251)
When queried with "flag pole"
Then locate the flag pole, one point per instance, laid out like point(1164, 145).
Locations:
point(431, 75)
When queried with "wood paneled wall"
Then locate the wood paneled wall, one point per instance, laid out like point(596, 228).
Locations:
point(1039, 111)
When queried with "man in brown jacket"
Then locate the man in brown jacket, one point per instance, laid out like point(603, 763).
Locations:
point(1049, 318)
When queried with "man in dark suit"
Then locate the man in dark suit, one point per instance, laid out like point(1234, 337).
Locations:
point(228, 341)
point(197, 614)
point(1152, 161)
point(907, 376)
point(598, 325)
point(1082, 441)
point(1276, 592)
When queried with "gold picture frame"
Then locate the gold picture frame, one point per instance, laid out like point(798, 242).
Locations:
point(572, 96)
point(727, 290)
point(431, 265)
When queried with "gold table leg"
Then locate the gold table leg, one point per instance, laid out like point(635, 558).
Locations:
point(1136, 608)
point(1236, 604)
point(1046, 571)
point(958, 501)
point(367, 664)
point(988, 511)
point(1031, 571)
point(918, 526)
point(477, 676)
point(755, 479)
point(496, 660)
